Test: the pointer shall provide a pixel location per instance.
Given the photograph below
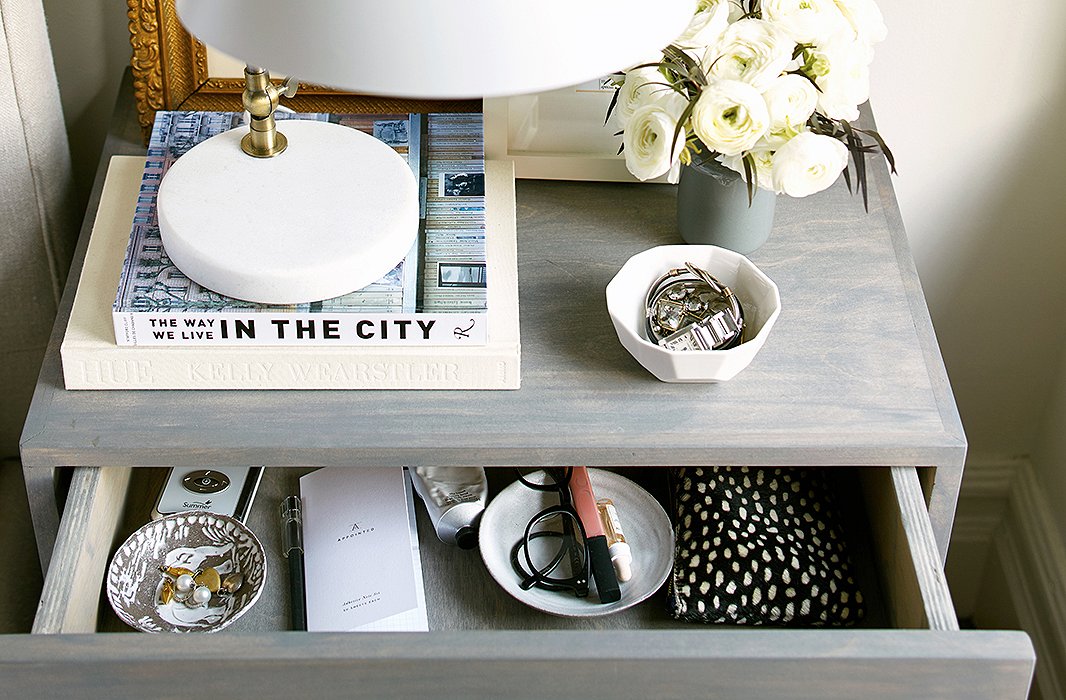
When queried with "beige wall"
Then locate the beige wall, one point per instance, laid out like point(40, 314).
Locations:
point(970, 94)
point(967, 92)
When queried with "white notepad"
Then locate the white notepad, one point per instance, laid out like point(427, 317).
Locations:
point(362, 564)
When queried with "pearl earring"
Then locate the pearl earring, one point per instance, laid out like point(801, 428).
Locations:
point(194, 589)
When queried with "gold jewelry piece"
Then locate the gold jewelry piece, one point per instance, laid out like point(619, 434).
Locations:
point(231, 584)
point(209, 579)
point(166, 593)
point(194, 589)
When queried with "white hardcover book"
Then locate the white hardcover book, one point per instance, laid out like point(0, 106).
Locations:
point(92, 359)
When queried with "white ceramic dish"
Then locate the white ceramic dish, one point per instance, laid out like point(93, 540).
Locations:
point(757, 293)
point(644, 522)
point(192, 541)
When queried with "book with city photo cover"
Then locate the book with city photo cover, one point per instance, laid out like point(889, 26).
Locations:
point(436, 295)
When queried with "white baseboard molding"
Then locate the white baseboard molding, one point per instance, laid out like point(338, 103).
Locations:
point(983, 501)
point(990, 478)
point(1033, 555)
point(1002, 506)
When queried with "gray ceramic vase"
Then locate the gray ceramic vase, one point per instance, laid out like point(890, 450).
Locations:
point(713, 209)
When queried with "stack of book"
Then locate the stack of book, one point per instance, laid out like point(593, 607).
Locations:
point(445, 318)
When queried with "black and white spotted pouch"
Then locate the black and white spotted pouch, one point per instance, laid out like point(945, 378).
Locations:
point(759, 547)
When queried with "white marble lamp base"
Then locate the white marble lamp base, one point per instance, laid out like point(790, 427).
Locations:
point(333, 213)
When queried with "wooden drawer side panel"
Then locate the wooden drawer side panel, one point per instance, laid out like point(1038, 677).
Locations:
point(906, 552)
point(71, 595)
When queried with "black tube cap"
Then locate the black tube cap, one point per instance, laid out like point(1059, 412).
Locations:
point(466, 537)
point(603, 570)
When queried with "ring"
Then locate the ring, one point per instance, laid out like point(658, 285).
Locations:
point(689, 309)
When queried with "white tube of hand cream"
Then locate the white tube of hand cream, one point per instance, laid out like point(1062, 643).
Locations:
point(455, 500)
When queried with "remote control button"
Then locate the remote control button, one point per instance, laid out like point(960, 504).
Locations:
point(205, 481)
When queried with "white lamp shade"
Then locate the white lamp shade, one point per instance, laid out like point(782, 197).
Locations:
point(439, 49)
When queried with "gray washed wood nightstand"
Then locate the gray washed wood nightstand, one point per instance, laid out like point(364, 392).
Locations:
point(851, 377)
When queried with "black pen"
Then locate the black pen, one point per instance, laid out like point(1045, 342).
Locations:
point(292, 545)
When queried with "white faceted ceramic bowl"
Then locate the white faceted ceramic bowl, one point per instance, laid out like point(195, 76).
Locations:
point(757, 293)
point(192, 540)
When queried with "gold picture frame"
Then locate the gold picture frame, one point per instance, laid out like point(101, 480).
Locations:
point(170, 71)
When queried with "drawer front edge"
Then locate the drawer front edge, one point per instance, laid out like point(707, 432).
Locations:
point(767, 664)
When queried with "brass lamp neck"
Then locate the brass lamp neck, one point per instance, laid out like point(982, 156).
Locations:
point(261, 99)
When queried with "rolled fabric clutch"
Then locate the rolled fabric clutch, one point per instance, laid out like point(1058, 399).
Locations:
point(760, 547)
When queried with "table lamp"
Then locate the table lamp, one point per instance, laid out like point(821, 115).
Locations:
point(322, 210)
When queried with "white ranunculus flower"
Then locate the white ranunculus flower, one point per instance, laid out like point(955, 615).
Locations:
point(730, 116)
point(640, 84)
point(663, 96)
point(841, 69)
point(865, 18)
point(706, 26)
point(669, 100)
point(842, 91)
point(764, 165)
point(808, 163)
point(648, 140)
point(790, 102)
point(808, 21)
point(752, 51)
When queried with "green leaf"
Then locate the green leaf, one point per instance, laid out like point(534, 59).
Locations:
point(684, 65)
point(799, 71)
point(675, 55)
point(826, 127)
point(855, 145)
point(681, 125)
point(884, 148)
point(749, 177)
point(610, 107)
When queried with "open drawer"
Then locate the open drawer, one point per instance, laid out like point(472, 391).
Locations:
point(485, 644)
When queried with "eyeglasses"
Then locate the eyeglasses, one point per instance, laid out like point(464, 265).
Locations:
point(552, 554)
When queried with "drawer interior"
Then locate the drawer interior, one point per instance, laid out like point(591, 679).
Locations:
point(894, 557)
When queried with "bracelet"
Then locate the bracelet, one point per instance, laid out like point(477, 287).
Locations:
point(689, 309)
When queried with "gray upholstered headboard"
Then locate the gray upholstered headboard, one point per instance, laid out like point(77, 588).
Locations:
point(38, 226)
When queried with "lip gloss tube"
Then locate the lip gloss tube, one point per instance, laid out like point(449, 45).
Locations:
point(595, 538)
